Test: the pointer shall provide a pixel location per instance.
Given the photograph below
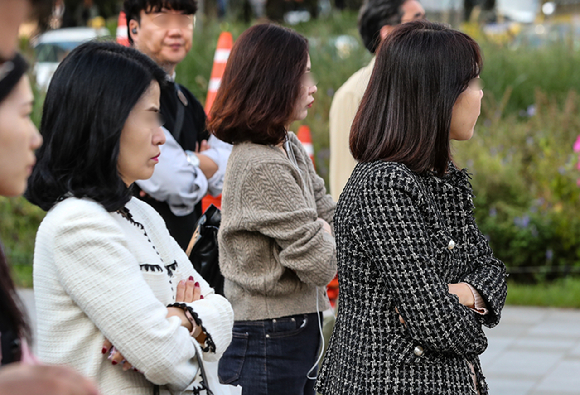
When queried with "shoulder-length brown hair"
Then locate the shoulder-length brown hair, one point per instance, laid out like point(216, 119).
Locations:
point(260, 86)
point(405, 114)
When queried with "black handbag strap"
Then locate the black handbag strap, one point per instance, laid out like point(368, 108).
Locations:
point(204, 382)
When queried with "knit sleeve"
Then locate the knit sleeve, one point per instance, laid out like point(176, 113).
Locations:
point(488, 279)
point(395, 234)
point(97, 270)
point(276, 208)
point(324, 204)
point(214, 311)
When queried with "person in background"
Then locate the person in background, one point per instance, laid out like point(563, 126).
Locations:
point(377, 18)
point(15, 12)
point(19, 371)
point(277, 252)
point(192, 163)
point(85, 12)
point(113, 288)
point(18, 140)
point(418, 280)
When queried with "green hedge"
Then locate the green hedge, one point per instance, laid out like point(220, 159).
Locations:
point(525, 180)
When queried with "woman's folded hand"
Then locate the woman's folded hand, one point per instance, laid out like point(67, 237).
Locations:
point(462, 291)
point(188, 291)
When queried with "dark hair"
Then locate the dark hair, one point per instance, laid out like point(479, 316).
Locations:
point(373, 15)
point(133, 9)
point(11, 73)
point(260, 86)
point(10, 304)
point(405, 114)
point(87, 104)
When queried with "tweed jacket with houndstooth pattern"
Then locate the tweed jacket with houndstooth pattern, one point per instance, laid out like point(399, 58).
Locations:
point(401, 238)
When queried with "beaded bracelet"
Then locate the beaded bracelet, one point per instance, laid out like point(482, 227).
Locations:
point(209, 345)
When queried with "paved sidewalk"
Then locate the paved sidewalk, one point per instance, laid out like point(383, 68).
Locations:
point(534, 351)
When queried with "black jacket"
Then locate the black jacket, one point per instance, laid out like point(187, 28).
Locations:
point(393, 232)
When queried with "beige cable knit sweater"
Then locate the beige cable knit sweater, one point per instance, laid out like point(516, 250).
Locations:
point(274, 254)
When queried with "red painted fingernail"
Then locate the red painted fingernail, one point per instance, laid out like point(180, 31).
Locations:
point(191, 278)
point(104, 350)
point(201, 296)
point(196, 284)
point(114, 362)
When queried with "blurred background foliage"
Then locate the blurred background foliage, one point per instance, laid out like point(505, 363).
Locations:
point(525, 172)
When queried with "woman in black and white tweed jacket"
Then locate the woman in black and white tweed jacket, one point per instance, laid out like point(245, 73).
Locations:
point(417, 278)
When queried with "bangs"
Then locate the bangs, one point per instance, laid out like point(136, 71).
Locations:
point(471, 66)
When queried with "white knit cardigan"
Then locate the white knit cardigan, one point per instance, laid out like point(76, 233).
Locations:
point(99, 275)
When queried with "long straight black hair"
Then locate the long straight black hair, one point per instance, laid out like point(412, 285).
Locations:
point(10, 305)
point(87, 104)
point(405, 114)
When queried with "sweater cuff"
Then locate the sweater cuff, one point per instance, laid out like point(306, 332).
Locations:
point(479, 305)
point(217, 317)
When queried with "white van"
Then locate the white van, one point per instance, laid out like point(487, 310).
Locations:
point(51, 48)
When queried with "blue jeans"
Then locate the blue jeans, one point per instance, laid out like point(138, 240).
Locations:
point(273, 356)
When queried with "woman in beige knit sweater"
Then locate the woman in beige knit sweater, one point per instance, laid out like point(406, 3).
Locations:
point(277, 252)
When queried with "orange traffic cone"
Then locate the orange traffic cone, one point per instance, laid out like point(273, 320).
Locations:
point(306, 140)
point(224, 47)
point(122, 29)
point(208, 200)
point(222, 53)
point(332, 291)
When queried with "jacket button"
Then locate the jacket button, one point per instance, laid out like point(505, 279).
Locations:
point(418, 351)
point(451, 244)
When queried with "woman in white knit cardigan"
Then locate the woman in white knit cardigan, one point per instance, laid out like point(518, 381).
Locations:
point(116, 297)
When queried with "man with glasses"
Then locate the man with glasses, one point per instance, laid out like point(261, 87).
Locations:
point(192, 163)
point(377, 18)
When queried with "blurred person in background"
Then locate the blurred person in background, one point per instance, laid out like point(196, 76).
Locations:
point(377, 18)
point(76, 13)
point(19, 372)
point(15, 12)
point(276, 249)
point(192, 163)
point(418, 280)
